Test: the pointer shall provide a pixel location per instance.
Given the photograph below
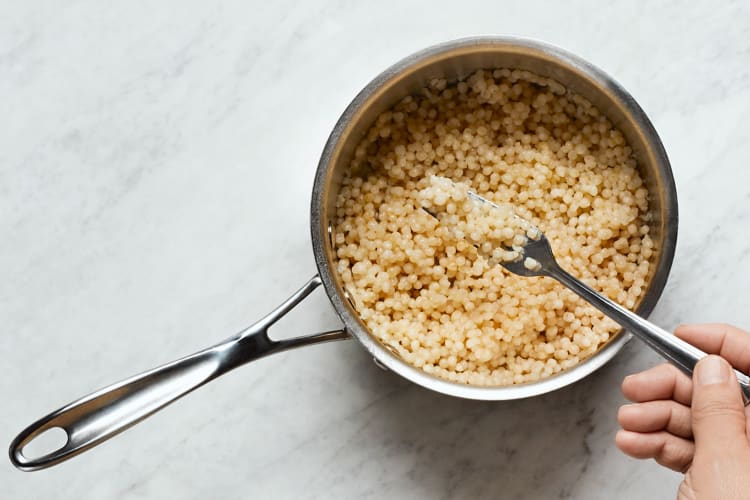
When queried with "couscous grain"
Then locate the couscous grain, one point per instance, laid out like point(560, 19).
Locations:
point(515, 138)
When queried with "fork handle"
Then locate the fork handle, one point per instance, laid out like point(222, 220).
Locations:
point(681, 354)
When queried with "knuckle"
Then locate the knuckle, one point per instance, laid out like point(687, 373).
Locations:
point(664, 367)
point(624, 385)
point(676, 458)
point(684, 467)
point(726, 327)
point(620, 413)
point(712, 409)
point(670, 371)
point(674, 454)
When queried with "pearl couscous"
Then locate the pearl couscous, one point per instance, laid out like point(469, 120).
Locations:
point(513, 138)
point(496, 232)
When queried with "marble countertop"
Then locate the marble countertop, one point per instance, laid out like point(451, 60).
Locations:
point(156, 163)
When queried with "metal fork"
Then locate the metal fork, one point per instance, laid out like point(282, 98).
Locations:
point(680, 353)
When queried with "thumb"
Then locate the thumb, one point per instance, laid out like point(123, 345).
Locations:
point(718, 412)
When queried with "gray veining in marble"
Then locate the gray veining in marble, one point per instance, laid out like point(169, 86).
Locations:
point(156, 161)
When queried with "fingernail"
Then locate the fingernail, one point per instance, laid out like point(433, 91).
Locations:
point(712, 370)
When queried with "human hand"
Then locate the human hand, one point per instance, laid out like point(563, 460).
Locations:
point(699, 427)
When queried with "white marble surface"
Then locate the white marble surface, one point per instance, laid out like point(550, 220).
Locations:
point(156, 162)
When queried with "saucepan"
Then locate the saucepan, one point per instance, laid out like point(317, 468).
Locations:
point(109, 411)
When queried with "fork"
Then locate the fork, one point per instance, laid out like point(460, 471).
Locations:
point(675, 350)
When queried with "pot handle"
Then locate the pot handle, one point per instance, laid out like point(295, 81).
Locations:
point(105, 413)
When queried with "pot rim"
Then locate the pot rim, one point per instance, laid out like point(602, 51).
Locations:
point(320, 230)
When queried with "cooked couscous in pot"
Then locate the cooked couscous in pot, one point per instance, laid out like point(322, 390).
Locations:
point(514, 138)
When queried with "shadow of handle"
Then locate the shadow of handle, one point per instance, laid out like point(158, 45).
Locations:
point(105, 413)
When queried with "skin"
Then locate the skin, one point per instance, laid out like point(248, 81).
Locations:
point(696, 426)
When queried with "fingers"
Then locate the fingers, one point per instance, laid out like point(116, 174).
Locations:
point(660, 382)
point(667, 449)
point(727, 341)
point(671, 408)
point(653, 416)
point(718, 413)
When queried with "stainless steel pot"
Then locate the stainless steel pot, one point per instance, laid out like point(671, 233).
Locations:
point(103, 414)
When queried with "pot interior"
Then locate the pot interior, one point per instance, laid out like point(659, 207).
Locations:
point(452, 61)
